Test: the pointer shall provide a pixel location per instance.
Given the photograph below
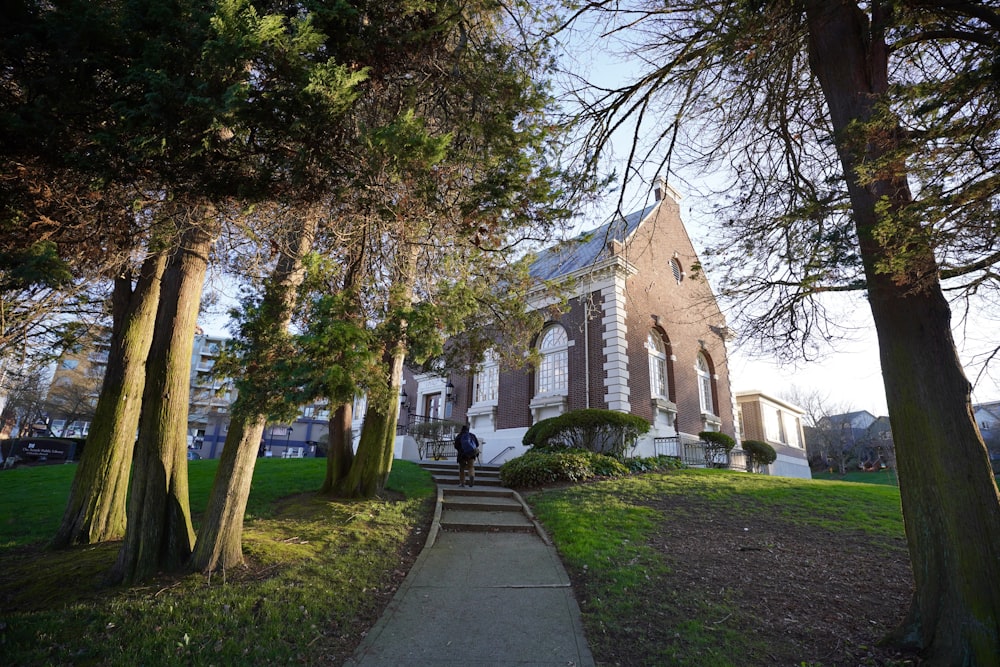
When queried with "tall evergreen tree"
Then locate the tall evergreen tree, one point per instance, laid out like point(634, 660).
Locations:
point(454, 167)
point(262, 342)
point(95, 511)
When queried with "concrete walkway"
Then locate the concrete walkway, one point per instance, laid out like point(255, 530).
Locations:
point(487, 589)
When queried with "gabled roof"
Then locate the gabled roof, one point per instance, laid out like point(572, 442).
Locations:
point(992, 408)
point(850, 418)
point(588, 248)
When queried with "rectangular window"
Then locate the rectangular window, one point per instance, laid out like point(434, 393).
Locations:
point(552, 372)
point(658, 376)
point(487, 383)
point(705, 394)
point(774, 426)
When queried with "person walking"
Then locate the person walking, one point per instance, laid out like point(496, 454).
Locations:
point(467, 445)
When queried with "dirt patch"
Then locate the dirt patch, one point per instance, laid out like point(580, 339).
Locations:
point(809, 595)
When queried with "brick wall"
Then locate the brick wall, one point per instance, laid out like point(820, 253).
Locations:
point(685, 313)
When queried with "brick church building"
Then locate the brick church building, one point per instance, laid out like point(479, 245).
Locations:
point(642, 333)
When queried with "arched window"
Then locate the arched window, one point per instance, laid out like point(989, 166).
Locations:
point(704, 370)
point(658, 387)
point(553, 371)
point(487, 380)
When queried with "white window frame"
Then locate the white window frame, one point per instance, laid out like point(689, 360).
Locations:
point(486, 384)
point(659, 384)
point(552, 376)
point(704, 371)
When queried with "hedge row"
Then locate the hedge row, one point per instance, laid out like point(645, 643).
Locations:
point(540, 466)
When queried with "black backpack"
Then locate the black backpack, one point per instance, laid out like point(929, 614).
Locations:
point(467, 444)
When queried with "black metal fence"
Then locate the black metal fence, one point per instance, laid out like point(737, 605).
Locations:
point(435, 437)
point(700, 454)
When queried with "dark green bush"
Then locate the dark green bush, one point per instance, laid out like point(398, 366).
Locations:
point(717, 448)
point(718, 439)
point(661, 463)
point(759, 454)
point(536, 468)
point(602, 431)
point(605, 466)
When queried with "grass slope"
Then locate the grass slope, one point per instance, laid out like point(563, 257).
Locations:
point(692, 567)
point(713, 568)
point(319, 573)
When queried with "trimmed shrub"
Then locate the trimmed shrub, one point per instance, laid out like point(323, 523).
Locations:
point(720, 440)
point(536, 468)
point(605, 466)
point(532, 436)
point(661, 463)
point(717, 448)
point(759, 454)
point(601, 431)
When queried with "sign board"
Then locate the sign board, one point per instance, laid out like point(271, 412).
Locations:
point(43, 450)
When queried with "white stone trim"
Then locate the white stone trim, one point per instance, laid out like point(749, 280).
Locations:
point(548, 405)
point(615, 346)
point(595, 278)
point(482, 417)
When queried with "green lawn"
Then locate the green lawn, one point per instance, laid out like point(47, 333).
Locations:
point(319, 573)
point(320, 570)
point(887, 477)
point(638, 610)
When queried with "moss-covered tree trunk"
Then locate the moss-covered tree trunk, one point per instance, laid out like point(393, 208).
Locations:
point(159, 535)
point(951, 506)
point(220, 539)
point(340, 456)
point(96, 508)
point(373, 461)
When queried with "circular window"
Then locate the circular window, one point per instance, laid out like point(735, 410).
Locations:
point(675, 266)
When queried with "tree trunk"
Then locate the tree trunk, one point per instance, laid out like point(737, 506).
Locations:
point(951, 506)
point(96, 508)
point(220, 540)
point(160, 534)
point(373, 462)
point(340, 456)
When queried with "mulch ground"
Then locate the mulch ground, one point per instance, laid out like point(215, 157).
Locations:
point(812, 596)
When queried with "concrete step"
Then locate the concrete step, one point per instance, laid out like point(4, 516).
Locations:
point(480, 481)
point(481, 504)
point(479, 521)
point(452, 468)
point(486, 507)
point(478, 491)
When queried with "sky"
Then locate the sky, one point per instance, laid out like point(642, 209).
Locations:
point(849, 375)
